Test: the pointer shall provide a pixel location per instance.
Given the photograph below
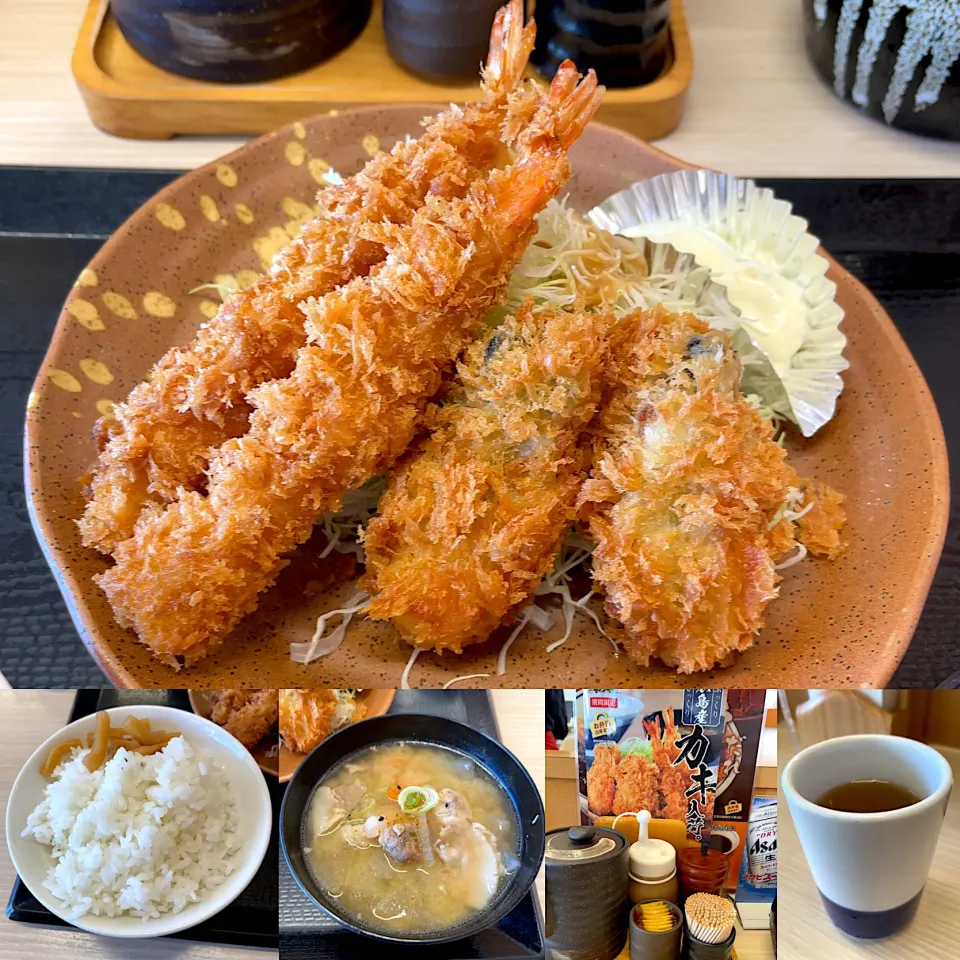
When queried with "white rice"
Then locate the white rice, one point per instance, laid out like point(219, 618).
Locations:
point(143, 835)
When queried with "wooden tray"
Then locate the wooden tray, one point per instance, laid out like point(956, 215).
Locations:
point(130, 97)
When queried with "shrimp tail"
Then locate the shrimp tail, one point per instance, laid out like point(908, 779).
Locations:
point(557, 119)
point(510, 46)
point(574, 107)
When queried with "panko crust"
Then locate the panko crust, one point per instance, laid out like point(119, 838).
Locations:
point(687, 499)
point(473, 517)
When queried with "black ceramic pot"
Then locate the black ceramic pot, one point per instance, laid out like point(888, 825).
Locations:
point(239, 41)
point(499, 762)
point(587, 883)
point(893, 61)
point(664, 945)
point(439, 39)
point(627, 42)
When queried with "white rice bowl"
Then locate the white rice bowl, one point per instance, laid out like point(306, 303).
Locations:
point(145, 846)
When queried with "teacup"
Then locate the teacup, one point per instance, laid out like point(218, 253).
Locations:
point(870, 868)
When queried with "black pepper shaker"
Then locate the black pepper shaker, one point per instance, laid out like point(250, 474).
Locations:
point(440, 40)
point(627, 42)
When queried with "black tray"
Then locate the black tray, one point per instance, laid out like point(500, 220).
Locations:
point(307, 933)
point(251, 920)
point(900, 237)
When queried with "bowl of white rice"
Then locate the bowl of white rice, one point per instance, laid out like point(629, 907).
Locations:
point(144, 846)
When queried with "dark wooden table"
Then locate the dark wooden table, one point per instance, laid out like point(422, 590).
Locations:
point(902, 238)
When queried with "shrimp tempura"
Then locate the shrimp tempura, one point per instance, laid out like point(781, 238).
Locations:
point(672, 783)
point(163, 436)
point(473, 518)
point(376, 350)
point(687, 501)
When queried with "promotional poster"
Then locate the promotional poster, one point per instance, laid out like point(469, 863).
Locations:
point(684, 755)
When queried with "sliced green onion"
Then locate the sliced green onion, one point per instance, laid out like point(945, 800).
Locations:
point(418, 800)
point(367, 803)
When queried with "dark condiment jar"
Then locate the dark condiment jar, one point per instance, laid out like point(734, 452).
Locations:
point(702, 873)
point(627, 42)
point(697, 950)
point(587, 909)
point(665, 945)
point(439, 39)
point(239, 41)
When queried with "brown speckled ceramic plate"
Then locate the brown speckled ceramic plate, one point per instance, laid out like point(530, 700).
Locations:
point(846, 623)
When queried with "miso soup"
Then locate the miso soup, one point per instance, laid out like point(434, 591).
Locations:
point(410, 837)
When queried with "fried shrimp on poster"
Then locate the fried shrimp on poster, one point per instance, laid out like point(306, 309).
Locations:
point(163, 436)
point(672, 783)
point(637, 785)
point(473, 517)
point(377, 349)
point(690, 501)
point(602, 778)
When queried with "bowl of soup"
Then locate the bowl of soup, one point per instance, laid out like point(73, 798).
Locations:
point(413, 829)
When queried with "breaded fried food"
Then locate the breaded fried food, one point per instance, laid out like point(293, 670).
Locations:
point(672, 782)
point(602, 778)
point(376, 351)
point(308, 717)
point(818, 528)
point(637, 785)
point(690, 502)
point(473, 517)
point(162, 437)
point(249, 715)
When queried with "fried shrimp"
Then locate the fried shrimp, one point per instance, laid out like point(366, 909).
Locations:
point(163, 436)
point(472, 519)
point(376, 350)
point(689, 499)
point(671, 782)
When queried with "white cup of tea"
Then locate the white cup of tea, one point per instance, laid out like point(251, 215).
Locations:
point(870, 868)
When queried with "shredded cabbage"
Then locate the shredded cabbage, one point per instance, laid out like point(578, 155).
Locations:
point(570, 258)
point(321, 645)
point(575, 552)
point(342, 528)
point(405, 676)
point(224, 288)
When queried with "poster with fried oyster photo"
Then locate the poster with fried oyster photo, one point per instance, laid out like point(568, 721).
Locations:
point(662, 808)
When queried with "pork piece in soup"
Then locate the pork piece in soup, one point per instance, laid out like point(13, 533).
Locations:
point(410, 837)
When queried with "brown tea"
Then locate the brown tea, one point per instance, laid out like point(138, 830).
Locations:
point(868, 796)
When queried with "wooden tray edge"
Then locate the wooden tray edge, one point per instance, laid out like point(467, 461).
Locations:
point(650, 112)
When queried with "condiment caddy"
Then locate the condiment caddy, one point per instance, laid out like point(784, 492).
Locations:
point(127, 96)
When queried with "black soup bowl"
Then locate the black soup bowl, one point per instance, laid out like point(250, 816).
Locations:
point(499, 762)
